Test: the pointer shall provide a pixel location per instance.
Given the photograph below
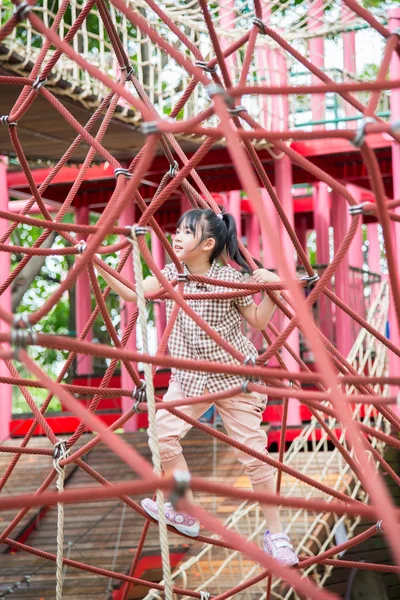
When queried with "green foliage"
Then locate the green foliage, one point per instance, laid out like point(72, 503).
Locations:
point(61, 319)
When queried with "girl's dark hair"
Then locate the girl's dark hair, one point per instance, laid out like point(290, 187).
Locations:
point(222, 230)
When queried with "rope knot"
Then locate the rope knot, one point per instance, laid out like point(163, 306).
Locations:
point(139, 394)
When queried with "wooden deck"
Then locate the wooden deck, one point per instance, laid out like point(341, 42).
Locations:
point(105, 534)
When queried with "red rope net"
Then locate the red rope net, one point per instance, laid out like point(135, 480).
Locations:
point(240, 132)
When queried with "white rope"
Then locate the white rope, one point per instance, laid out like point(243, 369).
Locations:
point(148, 377)
point(60, 452)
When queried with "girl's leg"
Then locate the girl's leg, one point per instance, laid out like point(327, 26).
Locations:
point(270, 512)
point(242, 418)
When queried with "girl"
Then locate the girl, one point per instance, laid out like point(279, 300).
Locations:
point(202, 238)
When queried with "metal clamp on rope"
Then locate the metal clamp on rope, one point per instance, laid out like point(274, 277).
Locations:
point(22, 10)
point(247, 380)
point(81, 246)
point(237, 110)
point(260, 25)
point(214, 89)
point(5, 120)
point(140, 230)
point(359, 138)
point(129, 68)
point(202, 64)
point(379, 526)
point(205, 595)
point(357, 209)
point(60, 452)
point(149, 127)
point(139, 394)
point(182, 276)
point(120, 171)
point(173, 169)
point(310, 279)
point(38, 83)
point(181, 486)
point(21, 335)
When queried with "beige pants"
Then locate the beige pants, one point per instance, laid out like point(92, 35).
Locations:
point(241, 416)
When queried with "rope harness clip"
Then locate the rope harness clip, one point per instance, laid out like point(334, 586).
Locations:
point(248, 360)
point(139, 394)
point(60, 452)
point(173, 169)
point(359, 138)
point(202, 64)
point(181, 486)
point(310, 279)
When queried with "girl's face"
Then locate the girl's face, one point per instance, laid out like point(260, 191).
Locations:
point(188, 246)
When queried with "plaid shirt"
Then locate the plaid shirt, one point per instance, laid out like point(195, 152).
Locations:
point(189, 341)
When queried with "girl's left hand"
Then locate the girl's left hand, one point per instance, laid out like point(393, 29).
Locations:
point(265, 276)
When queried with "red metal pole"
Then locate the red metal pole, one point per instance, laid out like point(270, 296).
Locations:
point(340, 222)
point(394, 24)
point(356, 259)
point(349, 63)
point(316, 54)
point(5, 268)
point(283, 179)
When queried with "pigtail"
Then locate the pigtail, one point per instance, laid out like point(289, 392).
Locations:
point(232, 245)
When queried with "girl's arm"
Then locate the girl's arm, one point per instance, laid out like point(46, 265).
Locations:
point(150, 284)
point(258, 316)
